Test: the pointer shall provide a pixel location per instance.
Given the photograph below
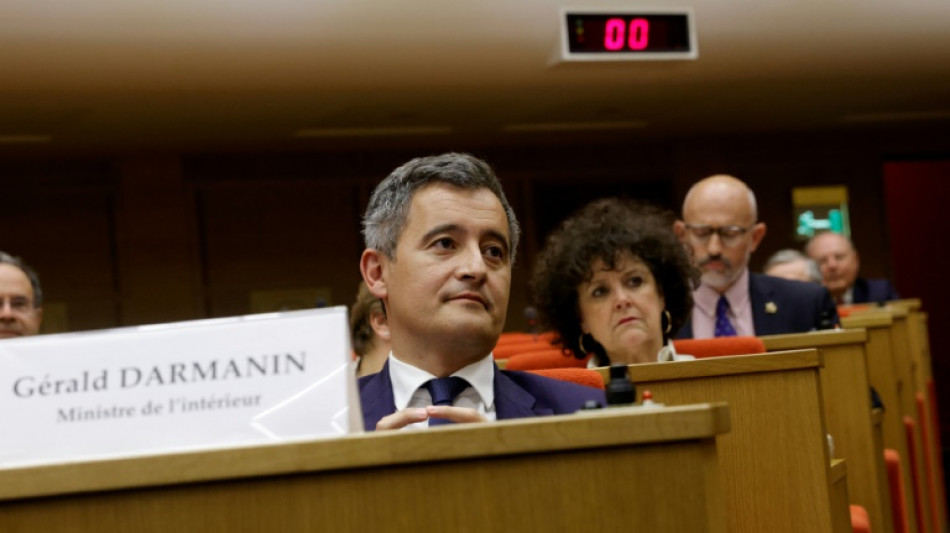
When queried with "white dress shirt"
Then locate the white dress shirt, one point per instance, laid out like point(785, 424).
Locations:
point(408, 389)
point(848, 297)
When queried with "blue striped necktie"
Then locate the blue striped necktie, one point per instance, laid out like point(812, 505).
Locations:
point(723, 326)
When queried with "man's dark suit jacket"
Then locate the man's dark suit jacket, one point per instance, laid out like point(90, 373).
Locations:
point(517, 395)
point(872, 291)
point(784, 306)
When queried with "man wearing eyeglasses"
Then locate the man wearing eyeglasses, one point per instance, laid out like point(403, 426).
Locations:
point(21, 298)
point(720, 226)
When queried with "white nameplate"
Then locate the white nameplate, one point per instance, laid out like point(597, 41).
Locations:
point(172, 387)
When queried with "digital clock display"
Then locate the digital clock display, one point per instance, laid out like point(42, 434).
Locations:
point(630, 35)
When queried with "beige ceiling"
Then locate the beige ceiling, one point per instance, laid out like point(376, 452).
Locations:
point(176, 74)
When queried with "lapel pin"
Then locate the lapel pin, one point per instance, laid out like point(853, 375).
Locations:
point(771, 308)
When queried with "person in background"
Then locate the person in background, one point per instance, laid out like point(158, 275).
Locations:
point(21, 298)
point(839, 263)
point(440, 243)
point(792, 264)
point(613, 280)
point(369, 332)
point(720, 227)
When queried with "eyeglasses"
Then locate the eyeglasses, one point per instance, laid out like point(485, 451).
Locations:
point(729, 235)
point(18, 304)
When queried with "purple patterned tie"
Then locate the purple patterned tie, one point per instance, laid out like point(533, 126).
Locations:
point(723, 326)
point(443, 392)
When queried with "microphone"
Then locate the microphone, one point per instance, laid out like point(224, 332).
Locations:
point(620, 390)
point(531, 314)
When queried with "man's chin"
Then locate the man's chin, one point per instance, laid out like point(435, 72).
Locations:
point(10, 334)
point(836, 288)
point(472, 325)
point(716, 280)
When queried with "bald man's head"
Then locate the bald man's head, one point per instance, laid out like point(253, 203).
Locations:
point(719, 226)
point(722, 188)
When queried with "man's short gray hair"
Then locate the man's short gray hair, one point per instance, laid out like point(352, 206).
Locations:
point(787, 256)
point(7, 259)
point(388, 208)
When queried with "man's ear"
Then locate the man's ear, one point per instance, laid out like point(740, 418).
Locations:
point(758, 233)
point(372, 265)
point(679, 227)
point(380, 325)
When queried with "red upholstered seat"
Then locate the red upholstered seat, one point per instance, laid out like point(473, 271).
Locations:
point(581, 376)
point(910, 430)
point(720, 346)
point(510, 337)
point(848, 310)
point(860, 523)
point(935, 425)
point(925, 430)
point(552, 358)
point(505, 351)
point(892, 460)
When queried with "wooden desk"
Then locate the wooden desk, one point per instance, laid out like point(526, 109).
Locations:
point(847, 408)
point(882, 369)
point(921, 371)
point(775, 463)
point(604, 471)
point(928, 388)
point(890, 375)
point(840, 500)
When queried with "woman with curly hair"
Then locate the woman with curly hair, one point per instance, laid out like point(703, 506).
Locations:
point(613, 280)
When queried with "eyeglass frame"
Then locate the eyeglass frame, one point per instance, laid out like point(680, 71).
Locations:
point(726, 240)
point(20, 305)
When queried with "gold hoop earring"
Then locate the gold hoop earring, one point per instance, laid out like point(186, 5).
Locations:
point(669, 321)
point(580, 344)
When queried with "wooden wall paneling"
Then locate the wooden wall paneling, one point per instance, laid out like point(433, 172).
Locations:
point(66, 234)
point(156, 241)
point(279, 235)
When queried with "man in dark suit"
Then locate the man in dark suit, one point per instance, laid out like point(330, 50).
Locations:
point(720, 226)
point(440, 242)
point(839, 264)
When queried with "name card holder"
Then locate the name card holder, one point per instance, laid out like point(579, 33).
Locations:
point(162, 388)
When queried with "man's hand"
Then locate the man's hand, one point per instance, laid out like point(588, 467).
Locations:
point(401, 419)
point(458, 415)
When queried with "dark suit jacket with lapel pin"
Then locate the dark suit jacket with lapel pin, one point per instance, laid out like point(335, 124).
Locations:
point(784, 306)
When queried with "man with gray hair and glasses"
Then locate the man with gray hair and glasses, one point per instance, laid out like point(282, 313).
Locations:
point(720, 226)
point(21, 298)
point(440, 242)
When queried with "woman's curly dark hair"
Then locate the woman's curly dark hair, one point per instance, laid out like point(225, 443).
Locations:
point(605, 229)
